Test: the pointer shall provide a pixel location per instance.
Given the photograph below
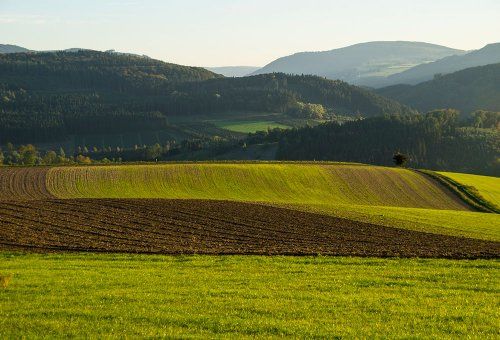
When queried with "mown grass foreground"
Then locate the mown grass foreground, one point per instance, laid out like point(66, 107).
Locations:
point(88, 295)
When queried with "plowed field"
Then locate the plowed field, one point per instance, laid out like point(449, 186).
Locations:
point(212, 227)
point(23, 184)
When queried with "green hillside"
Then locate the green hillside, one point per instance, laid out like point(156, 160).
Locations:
point(484, 186)
point(280, 183)
point(385, 196)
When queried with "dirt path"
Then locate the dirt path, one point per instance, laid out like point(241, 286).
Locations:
point(212, 227)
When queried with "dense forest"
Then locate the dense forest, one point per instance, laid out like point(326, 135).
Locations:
point(93, 70)
point(48, 96)
point(435, 140)
point(476, 88)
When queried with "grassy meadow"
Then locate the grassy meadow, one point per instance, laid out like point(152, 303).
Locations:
point(387, 196)
point(487, 187)
point(106, 295)
point(249, 126)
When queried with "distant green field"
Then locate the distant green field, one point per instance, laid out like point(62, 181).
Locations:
point(487, 187)
point(95, 296)
point(386, 196)
point(249, 126)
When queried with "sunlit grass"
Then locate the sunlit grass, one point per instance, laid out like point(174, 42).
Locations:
point(387, 196)
point(249, 126)
point(488, 187)
point(449, 222)
point(88, 295)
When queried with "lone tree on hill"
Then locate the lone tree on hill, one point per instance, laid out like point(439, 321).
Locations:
point(400, 159)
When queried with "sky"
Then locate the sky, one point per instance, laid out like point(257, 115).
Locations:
point(242, 32)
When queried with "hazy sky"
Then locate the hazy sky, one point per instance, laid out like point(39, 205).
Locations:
point(243, 32)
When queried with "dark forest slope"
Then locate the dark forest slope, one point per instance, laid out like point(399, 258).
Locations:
point(48, 96)
point(476, 88)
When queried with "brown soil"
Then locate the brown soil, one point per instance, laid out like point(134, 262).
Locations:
point(23, 183)
point(212, 227)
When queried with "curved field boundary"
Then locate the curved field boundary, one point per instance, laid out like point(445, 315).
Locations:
point(485, 188)
point(212, 227)
point(467, 193)
point(23, 183)
point(276, 183)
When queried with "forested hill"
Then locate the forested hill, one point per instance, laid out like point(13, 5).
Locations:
point(476, 88)
point(50, 96)
point(279, 92)
point(435, 140)
point(92, 70)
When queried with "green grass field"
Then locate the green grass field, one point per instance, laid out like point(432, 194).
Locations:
point(487, 187)
point(89, 295)
point(386, 196)
point(249, 126)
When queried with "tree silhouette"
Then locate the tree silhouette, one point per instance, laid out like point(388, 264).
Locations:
point(399, 159)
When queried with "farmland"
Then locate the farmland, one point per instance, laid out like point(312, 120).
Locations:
point(383, 196)
point(213, 227)
point(184, 249)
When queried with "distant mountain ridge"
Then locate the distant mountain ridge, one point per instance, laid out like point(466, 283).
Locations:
point(233, 71)
point(6, 48)
point(490, 54)
point(476, 88)
point(363, 63)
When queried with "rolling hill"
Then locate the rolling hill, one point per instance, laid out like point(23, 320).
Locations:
point(490, 54)
point(53, 97)
point(376, 195)
point(91, 70)
point(476, 88)
point(361, 64)
point(484, 187)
